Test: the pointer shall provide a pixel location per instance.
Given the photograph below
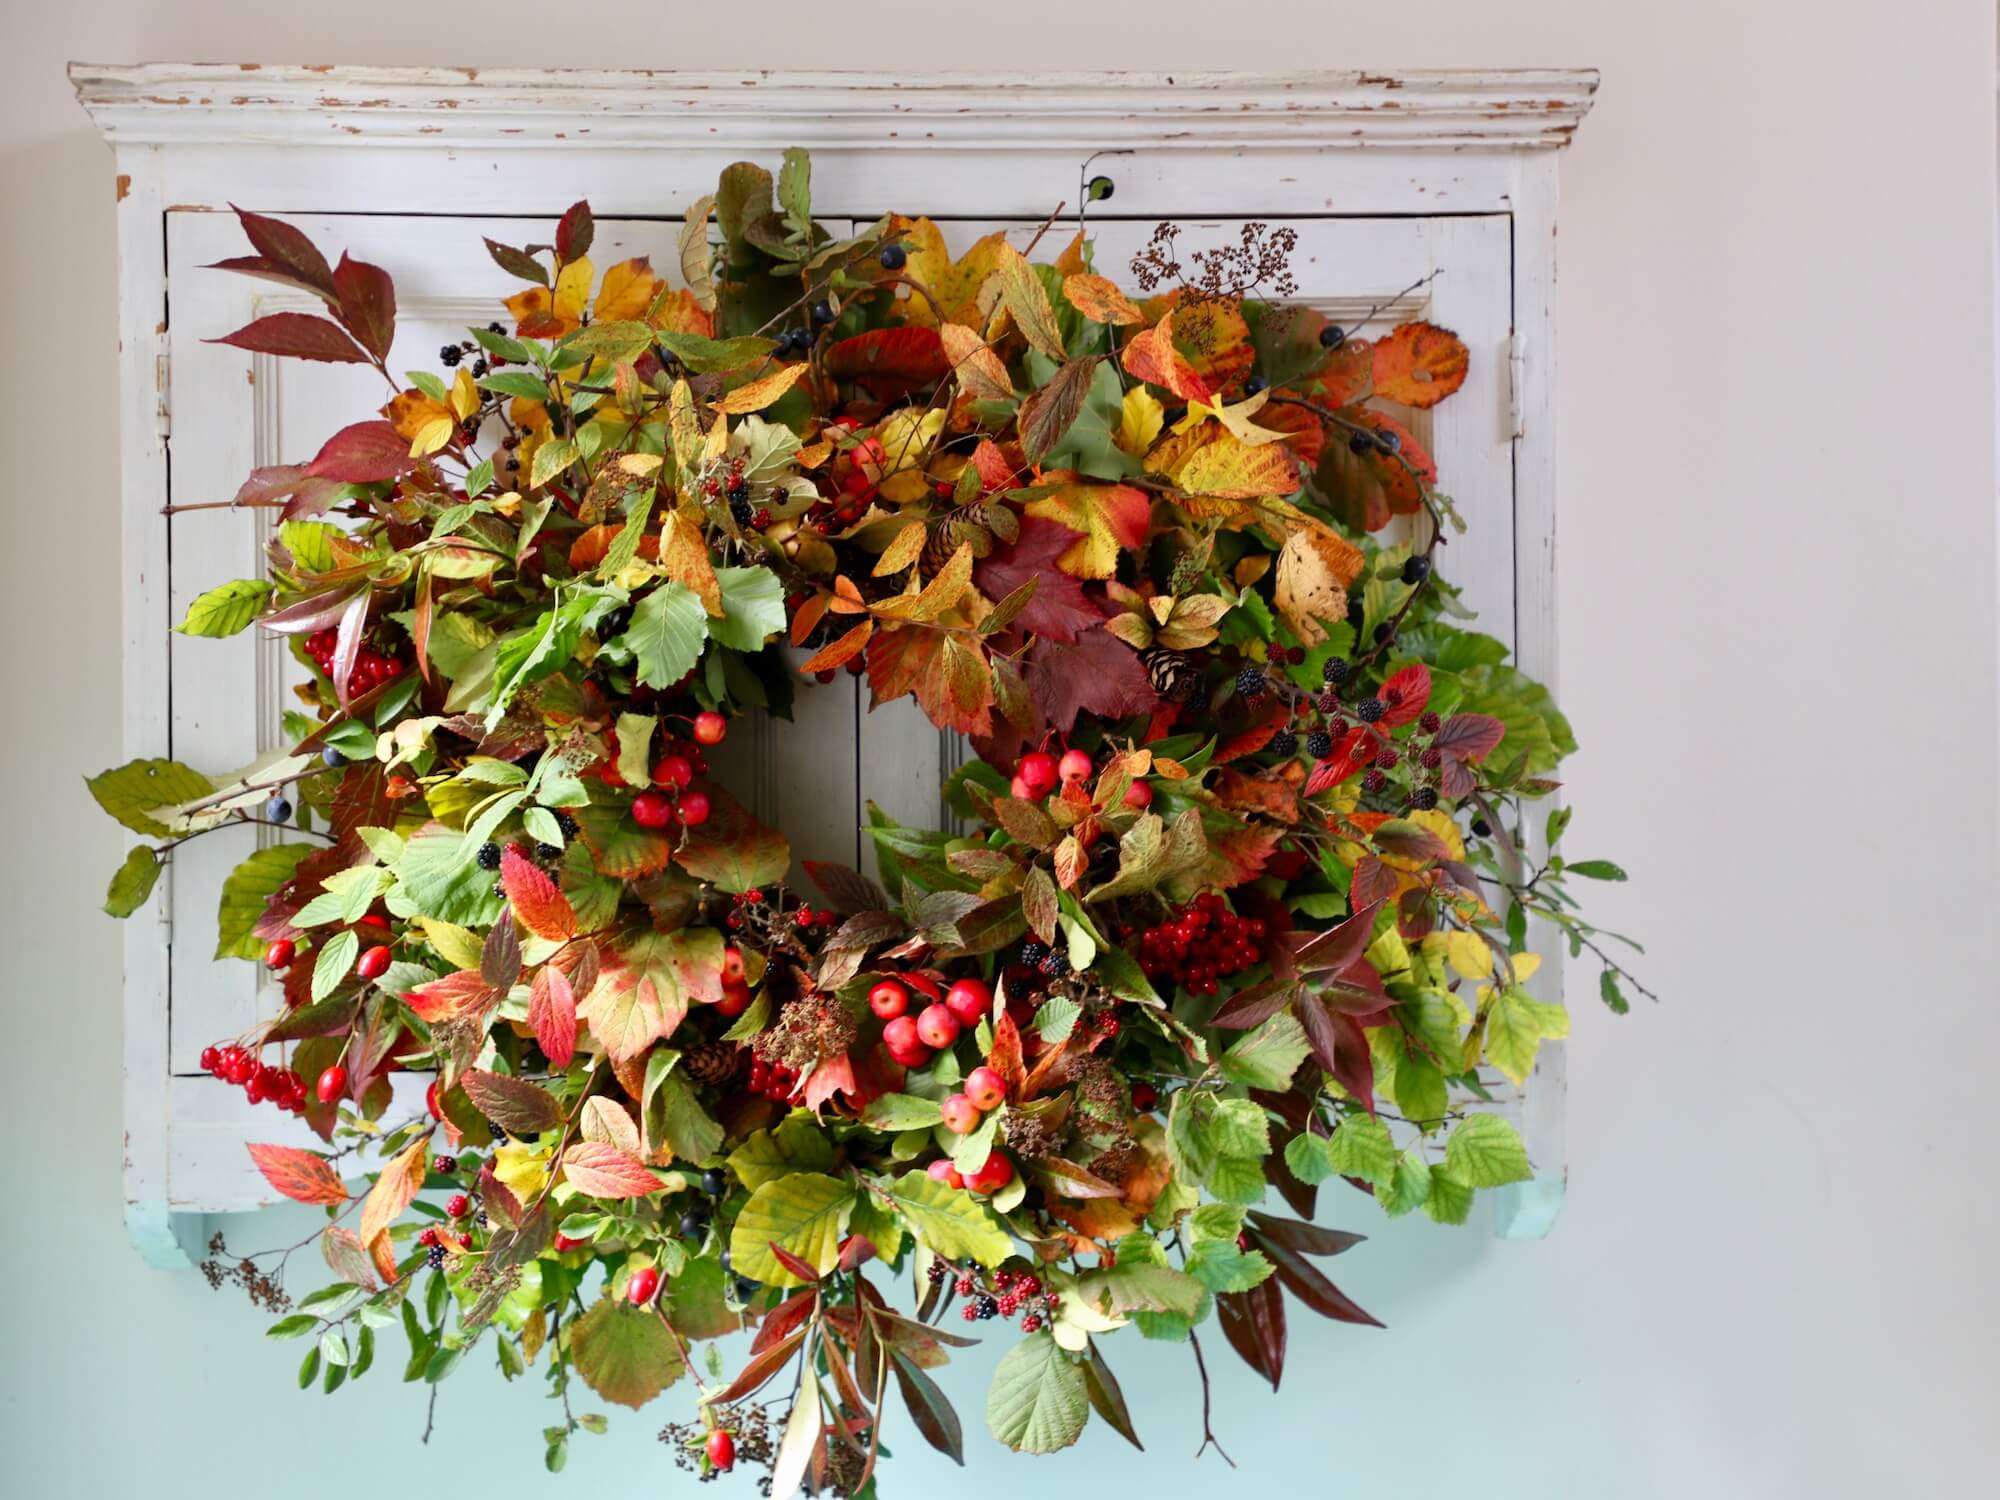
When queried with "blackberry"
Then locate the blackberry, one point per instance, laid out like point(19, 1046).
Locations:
point(1332, 336)
point(740, 512)
point(499, 890)
point(1334, 669)
point(450, 355)
point(1368, 710)
point(1055, 964)
point(1032, 952)
point(1430, 723)
point(893, 257)
point(1424, 798)
point(1374, 781)
point(1481, 828)
point(1432, 758)
point(739, 492)
point(1387, 756)
point(547, 851)
point(444, 1165)
point(566, 821)
point(1284, 742)
point(937, 1271)
point(987, 1306)
point(1250, 682)
point(434, 1257)
point(489, 856)
point(1319, 744)
point(1416, 570)
point(1328, 702)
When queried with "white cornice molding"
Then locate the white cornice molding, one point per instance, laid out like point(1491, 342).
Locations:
point(251, 104)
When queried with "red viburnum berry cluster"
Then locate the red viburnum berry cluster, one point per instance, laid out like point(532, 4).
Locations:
point(261, 1082)
point(371, 668)
point(773, 1081)
point(1199, 944)
point(1001, 1294)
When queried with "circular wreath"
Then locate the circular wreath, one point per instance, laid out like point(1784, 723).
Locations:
point(1244, 906)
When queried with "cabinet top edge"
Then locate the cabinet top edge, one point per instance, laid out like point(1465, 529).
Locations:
point(258, 104)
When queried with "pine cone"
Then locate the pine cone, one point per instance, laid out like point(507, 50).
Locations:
point(950, 532)
point(1172, 673)
point(714, 1062)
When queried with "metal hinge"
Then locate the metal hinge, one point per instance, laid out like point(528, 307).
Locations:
point(163, 376)
point(1517, 365)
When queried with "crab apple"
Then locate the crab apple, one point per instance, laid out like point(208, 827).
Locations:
point(985, 1088)
point(373, 963)
point(901, 1035)
point(1020, 791)
point(694, 808)
point(937, 1027)
point(968, 1000)
point(1075, 765)
point(915, 1057)
point(332, 1084)
point(992, 1177)
point(1038, 770)
point(888, 1000)
point(961, 1115)
point(710, 727)
point(434, 1102)
point(1139, 794)
point(652, 810)
point(735, 1000)
point(732, 963)
point(722, 1449)
point(943, 1171)
point(278, 955)
point(643, 1284)
point(674, 770)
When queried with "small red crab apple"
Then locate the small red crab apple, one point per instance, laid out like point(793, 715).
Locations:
point(888, 1000)
point(710, 727)
point(992, 1177)
point(937, 1027)
point(943, 1171)
point(674, 770)
point(722, 1449)
point(985, 1088)
point(1075, 765)
point(968, 1000)
point(652, 810)
point(694, 808)
point(733, 971)
point(1139, 794)
point(961, 1115)
point(1038, 772)
point(639, 1289)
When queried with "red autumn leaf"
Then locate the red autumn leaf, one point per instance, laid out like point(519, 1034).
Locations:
point(1340, 1046)
point(1097, 673)
point(367, 299)
point(839, 651)
point(1470, 736)
point(363, 453)
point(1405, 840)
point(1419, 364)
point(296, 335)
point(603, 1171)
point(280, 246)
point(1108, 518)
point(1152, 357)
point(890, 362)
point(537, 905)
point(1373, 881)
point(449, 998)
point(1372, 488)
point(395, 1189)
point(1256, 737)
point(299, 1175)
point(1005, 1058)
point(382, 1250)
point(946, 672)
point(1353, 755)
point(1334, 949)
point(552, 1014)
point(1057, 611)
point(1406, 694)
point(799, 1268)
point(834, 1075)
point(575, 231)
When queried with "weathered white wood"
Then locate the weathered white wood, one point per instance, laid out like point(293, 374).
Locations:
point(1066, 113)
point(1437, 151)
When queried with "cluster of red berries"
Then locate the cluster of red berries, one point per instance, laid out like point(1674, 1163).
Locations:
point(261, 1083)
point(1199, 944)
point(435, 1242)
point(1001, 1295)
point(371, 668)
point(912, 1039)
point(773, 1081)
point(1038, 773)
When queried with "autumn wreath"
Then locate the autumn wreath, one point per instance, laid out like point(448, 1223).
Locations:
point(1243, 908)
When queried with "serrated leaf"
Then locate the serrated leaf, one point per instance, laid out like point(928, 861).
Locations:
point(624, 1353)
point(1038, 1402)
point(949, 1220)
point(302, 1176)
point(1362, 1148)
point(753, 608)
point(1485, 1151)
point(603, 1171)
point(1267, 1057)
point(333, 963)
point(134, 789)
point(227, 608)
point(666, 634)
point(804, 1213)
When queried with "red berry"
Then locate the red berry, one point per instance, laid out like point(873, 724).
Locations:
point(985, 1088)
point(961, 1115)
point(674, 771)
point(937, 1027)
point(1144, 1096)
point(992, 1177)
point(1038, 770)
point(279, 954)
point(564, 1242)
point(694, 808)
point(1139, 794)
point(901, 1036)
point(433, 1103)
point(458, 1205)
point(652, 810)
point(732, 963)
point(211, 1060)
point(722, 1449)
point(641, 1286)
point(710, 727)
point(332, 1084)
point(969, 1000)
point(1075, 765)
point(735, 1000)
point(374, 963)
point(888, 1000)
point(943, 1171)
point(373, 919)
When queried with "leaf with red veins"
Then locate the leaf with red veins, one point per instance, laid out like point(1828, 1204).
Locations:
point(449, 998)
point(1097, 673)
point(834, 1075)
point(363, 453)
point(1058, 610)
point(538, 906)
point(1407, 693)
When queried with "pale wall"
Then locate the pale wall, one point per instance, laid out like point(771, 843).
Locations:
point(1776, 1273)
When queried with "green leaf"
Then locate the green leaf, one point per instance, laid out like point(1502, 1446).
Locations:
point(1485, 1151)
point(804, 1213)
point(624, 1353)
point(554, 456)
point(292, 1327)
point(245, 893)
point(226, 609)
point(134, 789)
point(1133, 1286)
point(795, 195)
point(753, 608)
point(1038, 1401)
point(334, 963)
point(1306, 1156)
point(1362, 1148)
point(769, 1155)
point(1595, 869)
point(310, 544)
point(706, 356)
point(1407, 1188)
point(893, 1112)
point(1221, 1267)
point(1267, 1057)
point(949, 1220)
point(1449, 1200)
point(674, 1118)
point(134, 881)
point(613, 341)
point(666, 633)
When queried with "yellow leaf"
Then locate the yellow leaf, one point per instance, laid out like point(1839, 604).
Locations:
point(1139, 419)
point(457, 946)
point(524, 1169)
point(906, 435)
point(1209, 460)
point(684, 556)
point(1469, 955)
point(957, 285)
point(1098, 299)
point(432, 436)
point(1110, 517)
point(1315, 568)
point(905, 549)
point(412, 412)
point(1027, 302)
point(572, 291)
point(464, 394)
point(755, 395)
point(1237, 418)
point(695, 258)
point(980, 373)
point(627, 291)
point(943, 593)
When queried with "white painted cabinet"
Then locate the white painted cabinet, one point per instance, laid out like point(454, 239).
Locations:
point(1430, 196)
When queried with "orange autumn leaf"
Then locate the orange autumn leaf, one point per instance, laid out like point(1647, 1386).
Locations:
point(1098, 299)
point(955, 284)
point(627, 291)
point(301, 1176)
point(679, 312)
point(589, 549)
point(946, 672)
point(544, 313)
point(979, 370)
point(1108, 518)
point(449, 998)
point(1152, 357)
point(838, 653)
point(395, 1189)
point(755, 395)
point(1316, 567)
point(538, 906)
point(1215, 340)
point(1419, 364)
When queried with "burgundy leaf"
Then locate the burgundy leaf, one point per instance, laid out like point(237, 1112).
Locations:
point(1410, 841)
point(296, 335)
point(781, 1320)
point(1453, 778)
point(512, 1103)
point(1304, 1281)
point(311, 614)
point(367, 304)
point(263, 267)
point(575, 232)
point(275, 240)
point(1254, 1324)
point(799, 1268)
point(1469, 736)
point(363, 453)
point(1415, 915)
point(1098, 674)
point(1106, 1399)
point(1373, 882)
point(762, 1365)
point(933, 1414)
point(1333, 950)
point(1306, 1239)
point(1255, 1005)
point(517, 263)
point(1339, 1045)
point(347, 644)
point(847, 891)
point(1303, 1196)
point(1058, 610)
